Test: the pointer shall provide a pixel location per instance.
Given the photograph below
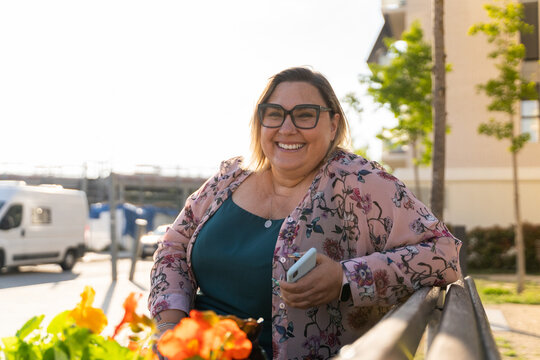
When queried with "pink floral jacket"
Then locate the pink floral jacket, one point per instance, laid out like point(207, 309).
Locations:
point(387, 241)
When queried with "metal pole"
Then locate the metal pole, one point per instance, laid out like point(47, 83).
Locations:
point(112, 210)
point(141, 227)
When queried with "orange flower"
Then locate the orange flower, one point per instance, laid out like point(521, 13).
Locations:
point(87, 316)
point(233, 341)
point(130, 305)
point(205, 335)
point(131, 317)
point(184, 341)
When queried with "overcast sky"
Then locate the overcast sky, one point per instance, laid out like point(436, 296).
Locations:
point(169, 83)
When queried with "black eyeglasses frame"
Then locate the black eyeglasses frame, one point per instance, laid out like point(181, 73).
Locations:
point(318, 108)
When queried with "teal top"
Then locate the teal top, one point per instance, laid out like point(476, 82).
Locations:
point(232, 262)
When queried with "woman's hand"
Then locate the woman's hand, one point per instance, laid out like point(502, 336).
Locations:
point(320, 286)
point(167, 319)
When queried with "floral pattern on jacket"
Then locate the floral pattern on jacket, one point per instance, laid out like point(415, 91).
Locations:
point(387, 241)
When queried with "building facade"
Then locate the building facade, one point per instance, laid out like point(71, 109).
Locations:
point(478, 187)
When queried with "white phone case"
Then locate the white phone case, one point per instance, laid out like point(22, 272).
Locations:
point(302, 266)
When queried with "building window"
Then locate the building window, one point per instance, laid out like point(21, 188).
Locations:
point(41, 215)
point(530, 40)
point(530, 119)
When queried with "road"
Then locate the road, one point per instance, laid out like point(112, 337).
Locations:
point(45, 289)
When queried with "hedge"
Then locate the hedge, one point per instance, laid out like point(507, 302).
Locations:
point(492, 248)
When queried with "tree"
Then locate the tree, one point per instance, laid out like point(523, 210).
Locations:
point(506, 91)
point(404, 87)
point(439, 111)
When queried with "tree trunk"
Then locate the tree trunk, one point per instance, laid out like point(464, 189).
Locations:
point(414, 145)
point(519, 241)
point(439, 110)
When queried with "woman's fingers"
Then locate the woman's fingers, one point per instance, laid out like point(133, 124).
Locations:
point(320, 286)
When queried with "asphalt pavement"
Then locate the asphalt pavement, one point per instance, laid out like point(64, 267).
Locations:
point(46, 289)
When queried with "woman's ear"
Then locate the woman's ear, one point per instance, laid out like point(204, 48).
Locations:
point(334, 123)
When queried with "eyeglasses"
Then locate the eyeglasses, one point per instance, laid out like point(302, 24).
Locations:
point(303, 116)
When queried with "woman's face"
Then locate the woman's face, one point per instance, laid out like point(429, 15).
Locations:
point(293, 151)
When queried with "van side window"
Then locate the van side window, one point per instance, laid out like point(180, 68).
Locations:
point(12, 218)
point(41, 215)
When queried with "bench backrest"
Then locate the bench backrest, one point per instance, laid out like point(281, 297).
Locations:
point(455, 321)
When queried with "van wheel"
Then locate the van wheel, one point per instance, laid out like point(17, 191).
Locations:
point(69, 260)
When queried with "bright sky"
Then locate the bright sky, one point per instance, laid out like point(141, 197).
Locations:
point(169, 83)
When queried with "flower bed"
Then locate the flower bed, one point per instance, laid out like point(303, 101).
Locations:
point(77, 334)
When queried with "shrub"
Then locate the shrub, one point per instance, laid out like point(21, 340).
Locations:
point(492, 248)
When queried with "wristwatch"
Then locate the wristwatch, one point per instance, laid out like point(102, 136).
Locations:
point(345, 289)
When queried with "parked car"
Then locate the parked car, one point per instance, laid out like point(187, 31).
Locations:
point(41, 224)
point(149, 241)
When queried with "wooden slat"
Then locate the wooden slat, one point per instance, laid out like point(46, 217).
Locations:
point(458, 337)
point(488, 342)
point(396, 336)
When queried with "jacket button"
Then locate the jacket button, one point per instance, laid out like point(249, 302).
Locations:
point(282, 260)
point(281, 305)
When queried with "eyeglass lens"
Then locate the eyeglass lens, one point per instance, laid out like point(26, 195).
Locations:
point(304, 117)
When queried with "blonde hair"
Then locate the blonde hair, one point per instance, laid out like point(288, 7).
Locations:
point(341, 140)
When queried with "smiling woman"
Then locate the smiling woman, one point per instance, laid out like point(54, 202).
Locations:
point(231, 246)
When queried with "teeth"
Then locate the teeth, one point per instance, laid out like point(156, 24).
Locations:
point(290, 146)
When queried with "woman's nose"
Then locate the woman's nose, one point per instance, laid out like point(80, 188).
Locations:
point(287, 126)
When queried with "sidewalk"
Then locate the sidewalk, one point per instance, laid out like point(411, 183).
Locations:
point(46, 290)
point(518, 324)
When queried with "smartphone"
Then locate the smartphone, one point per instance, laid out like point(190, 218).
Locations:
point(302, 266)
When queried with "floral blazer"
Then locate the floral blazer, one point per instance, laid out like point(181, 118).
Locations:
point(387, 241)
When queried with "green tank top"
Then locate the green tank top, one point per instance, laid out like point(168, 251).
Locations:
point(232, 262)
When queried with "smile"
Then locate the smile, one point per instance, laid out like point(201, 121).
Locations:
point(290, 146)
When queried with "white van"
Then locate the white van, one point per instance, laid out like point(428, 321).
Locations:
point(41, 224)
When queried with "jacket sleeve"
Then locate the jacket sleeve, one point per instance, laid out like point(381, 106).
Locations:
point(407, 247)
point(171, 283)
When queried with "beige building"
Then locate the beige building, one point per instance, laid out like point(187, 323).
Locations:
point(478, 185)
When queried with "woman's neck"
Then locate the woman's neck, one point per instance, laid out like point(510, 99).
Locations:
point(288, 184)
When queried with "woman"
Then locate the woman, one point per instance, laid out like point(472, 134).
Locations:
point(239, 233)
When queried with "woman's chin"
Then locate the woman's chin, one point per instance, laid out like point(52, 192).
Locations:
point(288, 165)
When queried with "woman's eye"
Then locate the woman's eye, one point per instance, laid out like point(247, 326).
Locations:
point(274, 113)
point(305, 114)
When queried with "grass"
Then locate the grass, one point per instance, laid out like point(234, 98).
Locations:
point(500, 292)
point(506, 349)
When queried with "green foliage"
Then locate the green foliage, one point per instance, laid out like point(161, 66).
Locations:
point(509, 88)
point(362, 151)
point(353, 102)
point(493, 248)
point(404, 87)
point(62, 340)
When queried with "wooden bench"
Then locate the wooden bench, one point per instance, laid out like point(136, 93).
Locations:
point(453, 319)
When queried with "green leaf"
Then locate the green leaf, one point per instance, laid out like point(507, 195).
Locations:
point(59, 354)
point(77, 339)
point(29, 326)
point(10, 343)
point(111, 350)
point(60, 322)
